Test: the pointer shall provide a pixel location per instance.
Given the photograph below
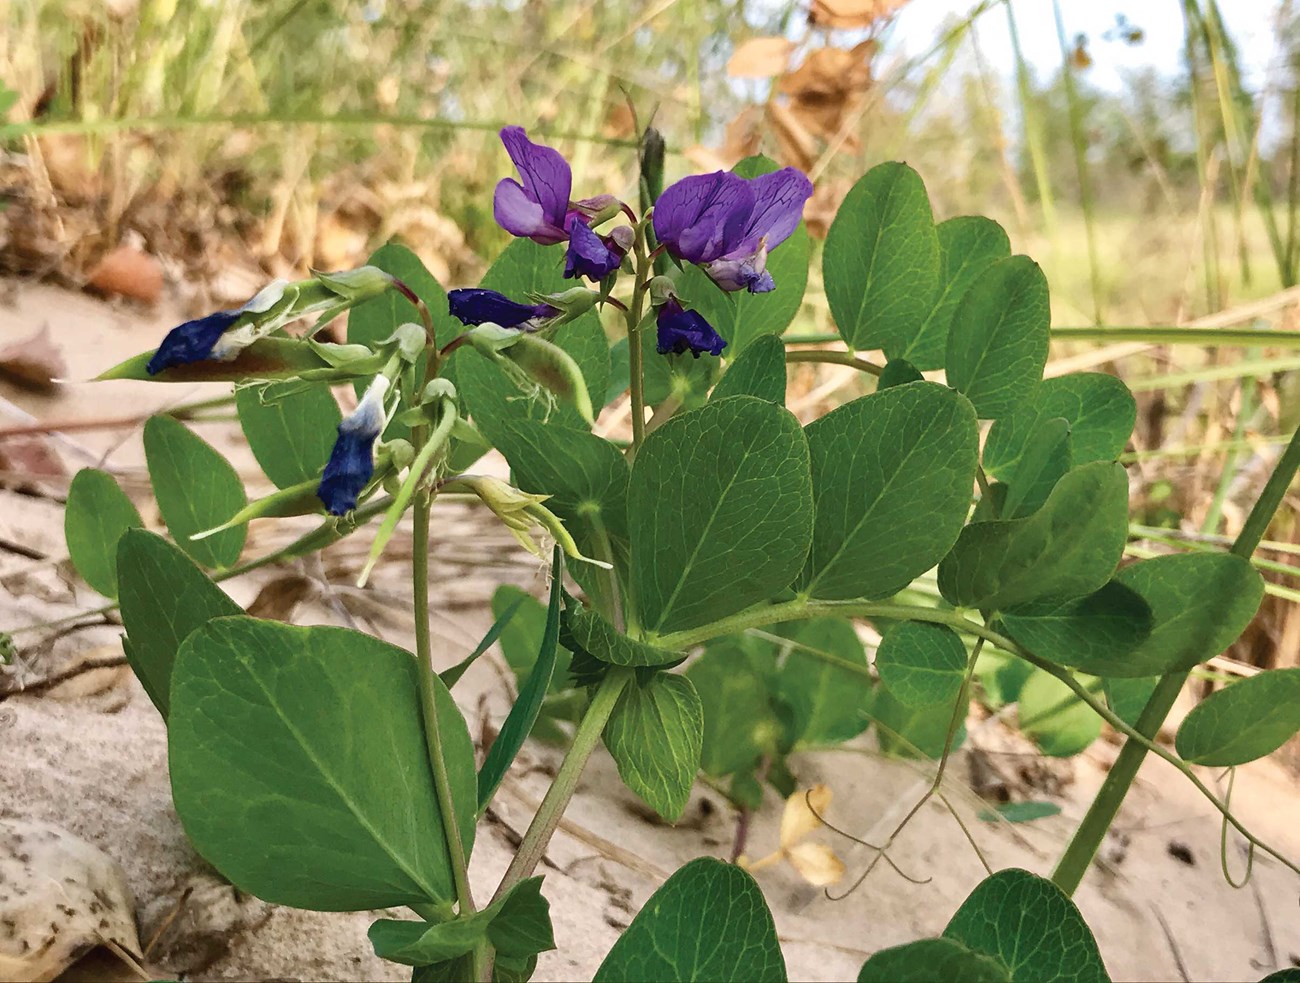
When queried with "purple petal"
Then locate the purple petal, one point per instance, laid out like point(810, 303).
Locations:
point(479, 306)
point(681, 331)
point(348, 471)
point(545, 173)
point(702, 217)
point(779, 199)
point(589, 255)
point(192, 341)
point(740, 274)
point(521, 216)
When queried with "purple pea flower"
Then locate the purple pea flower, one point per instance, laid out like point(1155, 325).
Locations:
point(727, 224)
point(681, 330)
point(475, 305)
point(538, 208)
point(194, 340)
point(352, 462)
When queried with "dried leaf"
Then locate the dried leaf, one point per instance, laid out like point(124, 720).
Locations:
point(760, 58)
point(849, 14)
point(801, 812)
point(798, 147)
point(130, 273)
point(816, 863)
point(62, 897)
point(34, 361)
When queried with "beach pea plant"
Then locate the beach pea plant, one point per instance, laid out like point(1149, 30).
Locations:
point(706, 576)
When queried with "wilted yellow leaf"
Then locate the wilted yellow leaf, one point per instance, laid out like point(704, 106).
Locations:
point(799, 820)
point(816, 863)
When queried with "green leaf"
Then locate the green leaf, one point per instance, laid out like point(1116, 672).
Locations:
point(922, 665)
point(517, 925)
point(655, 735)
point(1288, 975)
point(1055, 718)
point(292, 435)
point(1045, 461)
point(1098, 633)
point(1200, 603)
point(734, 678)
point(898, 372)
point(1243, 721)
point(519, 721)
point(759, 371)
point(97, 514)
point(163, 598)
point(997, 347)
point(909, 732)
point(707, 922)
point(271, 796)
point(881, 261)
point(196, 489)
point(1127, 698)
point(720, 511)
point(586, 477)
point(586, 630)
point(1099, 409)
point(1020, 812)
point(826, 695)
point(892, 478)
point(742, 317)
point(968, 246)
point(1068, 548)
point(1032, 926)
point(928, 960)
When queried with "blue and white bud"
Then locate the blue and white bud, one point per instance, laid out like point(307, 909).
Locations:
point(352, 461)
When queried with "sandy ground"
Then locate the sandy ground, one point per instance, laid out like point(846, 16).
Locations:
point(90, 756)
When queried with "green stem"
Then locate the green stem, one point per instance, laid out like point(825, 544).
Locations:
point(1088, 837)
point(835, 358)
point(799, 609)
point(585, 739)
point(634, 354)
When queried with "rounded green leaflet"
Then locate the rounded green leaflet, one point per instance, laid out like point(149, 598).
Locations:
point(898, 372)
point(720, 512)
point(1031, 926)
point(196, 489)
point(1067, 549)
point(910, 731)
point(928, 960)
point(881, 260)
point(654, 736)
point(1098, 407)
point(1100, 633)
point(98, 512)
point(707, 922)
point(271, 796)
point(1055, 718)
point(1243, 721)
point(1200, 603)
point(892, 477)
point(968, 245)
point(735, 678)
point(997, 346)
point(291, 434)
point(922, 664)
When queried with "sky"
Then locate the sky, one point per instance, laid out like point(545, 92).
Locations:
point(1250, 22)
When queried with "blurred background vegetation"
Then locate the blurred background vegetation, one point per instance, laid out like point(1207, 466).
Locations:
point(223, 141)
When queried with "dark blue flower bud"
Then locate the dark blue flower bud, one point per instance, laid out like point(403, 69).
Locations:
point(682, 330)
point(591, 255)
point(475, 306)
point(352, 461)
point(192, 341)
